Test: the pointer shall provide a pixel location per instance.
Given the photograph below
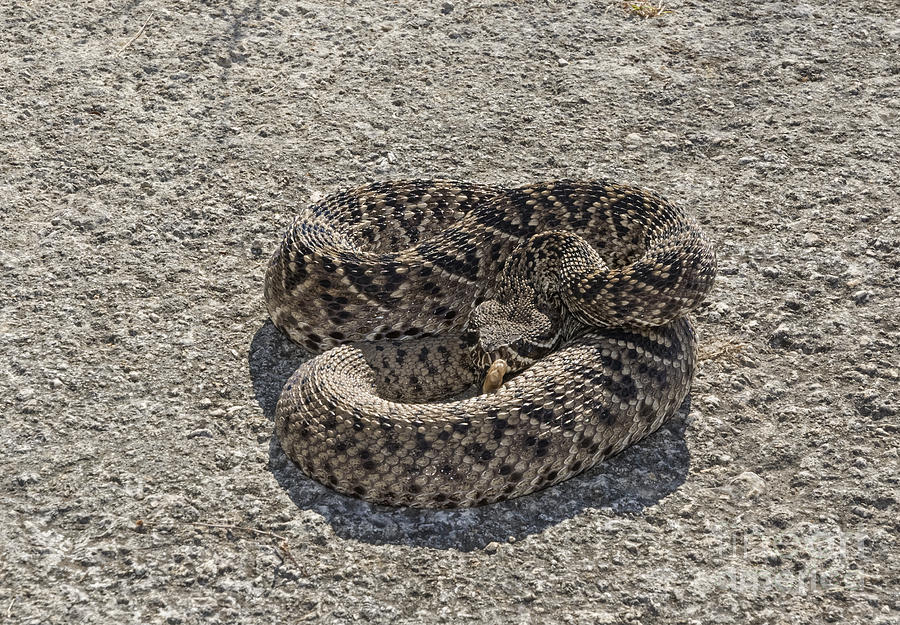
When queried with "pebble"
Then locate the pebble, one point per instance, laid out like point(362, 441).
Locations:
point(810, 239)
point(492, 547)
point(562, 62)
point(747, 485)
point(771, 272)
point(747, 160)
point(861, 297)
point(447, 8)
point(712, 401)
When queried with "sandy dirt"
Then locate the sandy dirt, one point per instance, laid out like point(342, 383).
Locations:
point(151, 155)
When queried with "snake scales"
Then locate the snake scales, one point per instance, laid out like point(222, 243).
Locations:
point(577, 291)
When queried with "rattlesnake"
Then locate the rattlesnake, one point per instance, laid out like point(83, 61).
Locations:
point(578, 291)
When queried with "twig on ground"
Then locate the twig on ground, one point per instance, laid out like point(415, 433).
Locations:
point(135, 38)
point(283, 546)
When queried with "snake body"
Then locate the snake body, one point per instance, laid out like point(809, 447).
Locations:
point(410, 290)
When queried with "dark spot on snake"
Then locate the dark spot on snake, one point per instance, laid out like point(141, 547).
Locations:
point(369, 465)
point(439, 498)
point(450, 314)
point(392, 446)
point(624, 389)
point(505, 469)
point(509, 489)
point(461, 427)
point(412, 331)
point(338, 336)
point(446, 469)
point(444, 435)
point(325, 284)
point(607, 451)
point(482, 501)
point(341, 446)
point(359, 490)
point(332, 479)
point(594, 448)
point(585, 442)
point(531, 441)
point(552, 475)
point(341, 300)
point(421, 442)
point(365, 454)
point(515, 477)
point(393, 334)
point(486, 456)
point(605, 416)
point(414, 488)
point(330, 423)
point(326, 296)
point(575, 466)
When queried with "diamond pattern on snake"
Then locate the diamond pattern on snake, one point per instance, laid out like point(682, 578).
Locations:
point(477, 343)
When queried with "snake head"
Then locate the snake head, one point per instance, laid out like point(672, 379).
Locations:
point(519, 330)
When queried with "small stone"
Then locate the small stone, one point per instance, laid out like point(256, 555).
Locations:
point(218, 412)
point(861, 511)
point(747, 485)
point(771, 272)
point(134, 376)
point(202, 432)
point(447, 8)
point(633, 138)
point(491, 547)
point(206, 402)
point(56, 383)
point(25, 394)
point(810, 239)
point(562, 62)
point(712, 401)
point(861, 297)
point(747, 160)
point(26, 479)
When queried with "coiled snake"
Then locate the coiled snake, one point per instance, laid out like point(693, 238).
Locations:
point(577, 293)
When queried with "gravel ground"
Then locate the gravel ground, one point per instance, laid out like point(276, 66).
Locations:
point(153, 152)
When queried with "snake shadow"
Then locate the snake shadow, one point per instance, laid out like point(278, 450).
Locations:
point(638, 477)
